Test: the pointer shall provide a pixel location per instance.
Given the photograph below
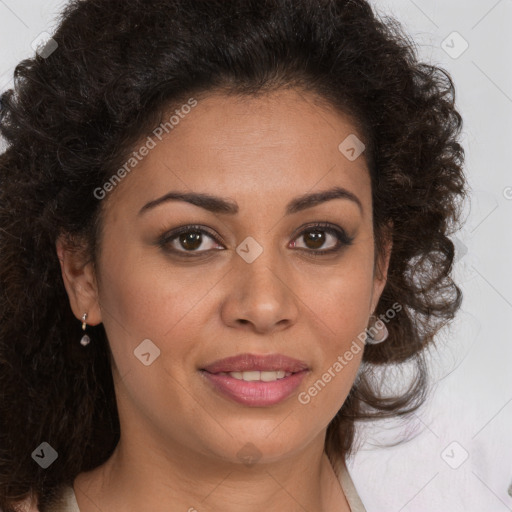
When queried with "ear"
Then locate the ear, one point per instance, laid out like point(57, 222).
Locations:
point(381, 267)
point(80, 281)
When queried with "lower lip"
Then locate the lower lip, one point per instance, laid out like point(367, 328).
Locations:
point(255, 393)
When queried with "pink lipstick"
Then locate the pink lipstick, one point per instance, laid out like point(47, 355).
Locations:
point(256, 380)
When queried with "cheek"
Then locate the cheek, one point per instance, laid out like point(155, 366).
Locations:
point(150, 300)
point(344, 300)
point(340, 297)
point(339, 302)
point(341, 314)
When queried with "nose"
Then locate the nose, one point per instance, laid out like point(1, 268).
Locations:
point(261, 296)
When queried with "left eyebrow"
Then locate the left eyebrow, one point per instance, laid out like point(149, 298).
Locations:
point(226, 206)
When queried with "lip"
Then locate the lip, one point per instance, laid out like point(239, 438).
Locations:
point(256, 393)
point(253, 362)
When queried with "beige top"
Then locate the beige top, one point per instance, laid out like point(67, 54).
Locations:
point(349, 489)
point(67, 502)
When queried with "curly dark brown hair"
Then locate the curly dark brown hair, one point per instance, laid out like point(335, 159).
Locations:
point(71, 119)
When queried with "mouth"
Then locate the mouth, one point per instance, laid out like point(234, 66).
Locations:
point(255, 381)
point(254, 392)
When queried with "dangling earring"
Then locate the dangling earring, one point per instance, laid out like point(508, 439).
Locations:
point(376, 333)
point(85, 339)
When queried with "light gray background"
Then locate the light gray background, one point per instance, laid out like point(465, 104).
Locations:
point(460, 454)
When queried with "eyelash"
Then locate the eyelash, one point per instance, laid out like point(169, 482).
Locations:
point(343, 239)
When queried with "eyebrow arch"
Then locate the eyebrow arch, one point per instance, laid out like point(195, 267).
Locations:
point(216, 204)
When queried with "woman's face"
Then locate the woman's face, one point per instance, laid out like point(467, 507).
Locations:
point(254, 282)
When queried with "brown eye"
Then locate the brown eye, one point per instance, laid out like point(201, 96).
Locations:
point(189, 239)
point(314, 239)
point(317, 236)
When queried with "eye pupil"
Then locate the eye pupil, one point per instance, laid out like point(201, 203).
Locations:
point(316, 237)
point(191, 237)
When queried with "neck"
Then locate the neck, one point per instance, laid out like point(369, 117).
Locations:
point(142, 476)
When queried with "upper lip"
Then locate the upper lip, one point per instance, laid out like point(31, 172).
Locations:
point(253, 362)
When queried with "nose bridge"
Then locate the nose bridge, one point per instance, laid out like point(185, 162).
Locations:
point(261, 294)
point(260, 264)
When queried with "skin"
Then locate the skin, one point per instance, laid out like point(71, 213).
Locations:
point(179, 438)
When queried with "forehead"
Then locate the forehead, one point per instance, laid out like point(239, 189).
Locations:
point(272, 146)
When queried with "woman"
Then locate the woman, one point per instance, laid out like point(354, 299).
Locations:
point(218, 219)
